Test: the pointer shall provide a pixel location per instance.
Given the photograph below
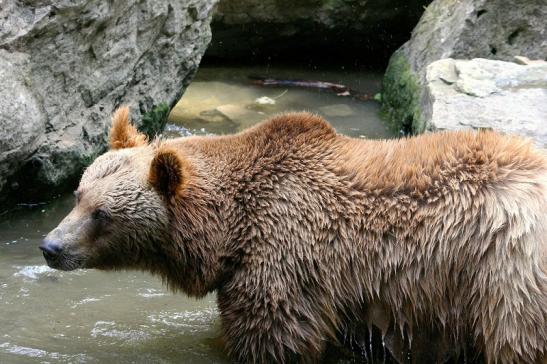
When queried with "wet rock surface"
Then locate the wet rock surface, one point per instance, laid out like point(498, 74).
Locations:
point(66, 65)
point(493, 29)
point(490, 94)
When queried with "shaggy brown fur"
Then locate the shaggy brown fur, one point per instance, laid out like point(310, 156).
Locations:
point(123, 134)
point(303, 233)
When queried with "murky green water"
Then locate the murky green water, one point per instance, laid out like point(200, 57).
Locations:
point(224, 100)
point(88, 316)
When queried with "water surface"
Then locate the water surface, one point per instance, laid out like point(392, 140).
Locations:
point(224, 100)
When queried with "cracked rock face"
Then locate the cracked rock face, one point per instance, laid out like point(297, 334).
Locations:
point(66, 65)
point(489, 94)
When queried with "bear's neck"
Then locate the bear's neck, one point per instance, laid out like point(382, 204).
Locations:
point(211, 221)
point(192, 254)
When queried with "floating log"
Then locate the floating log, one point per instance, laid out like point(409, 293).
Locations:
point(339, 89)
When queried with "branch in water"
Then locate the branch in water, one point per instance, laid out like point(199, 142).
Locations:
point(340, 90)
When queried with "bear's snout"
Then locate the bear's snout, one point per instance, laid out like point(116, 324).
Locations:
point(51, 249)
point(57, 253)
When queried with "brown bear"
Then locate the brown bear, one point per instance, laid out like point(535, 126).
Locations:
point(301, 231)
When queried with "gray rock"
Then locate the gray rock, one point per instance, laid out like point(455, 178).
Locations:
point(488, 94)
point(22, 120)
point(466, 29)
point(66, 65)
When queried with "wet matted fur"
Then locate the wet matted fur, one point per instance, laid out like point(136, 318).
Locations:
point(302, 232)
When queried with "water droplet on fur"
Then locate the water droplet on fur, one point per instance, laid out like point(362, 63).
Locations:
point(370, 343)
point(384, 349)
point(364, 351)
point(410, 340)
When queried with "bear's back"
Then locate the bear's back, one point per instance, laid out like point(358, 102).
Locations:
point(420, 164)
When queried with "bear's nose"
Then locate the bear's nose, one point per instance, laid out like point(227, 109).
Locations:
point(51, 249)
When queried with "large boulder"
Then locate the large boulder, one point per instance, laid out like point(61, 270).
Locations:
point(66, 65)
point(21, 120)
point(465, 29)
point(333, 29)
point(481, 93)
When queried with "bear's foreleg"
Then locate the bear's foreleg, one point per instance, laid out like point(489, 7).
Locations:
point(512, 315)
point(267, 318)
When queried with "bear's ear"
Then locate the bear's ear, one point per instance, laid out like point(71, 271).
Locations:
point(122, 133)
point(168, 172)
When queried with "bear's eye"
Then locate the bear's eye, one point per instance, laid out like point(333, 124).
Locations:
point(100, 214)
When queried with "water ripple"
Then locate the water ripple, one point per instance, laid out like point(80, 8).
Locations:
point(29, 352)
point(33, 271)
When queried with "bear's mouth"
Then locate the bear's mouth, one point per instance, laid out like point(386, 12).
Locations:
point(64, 262)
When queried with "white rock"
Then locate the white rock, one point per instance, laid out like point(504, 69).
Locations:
point(498, 95)
point(265, 100)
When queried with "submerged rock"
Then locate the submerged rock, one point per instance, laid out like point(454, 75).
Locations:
point(494, 29)
point(340, 110)
point(490, 94)
point(66, 65)
point(238, 113)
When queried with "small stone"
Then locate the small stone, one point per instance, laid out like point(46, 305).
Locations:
point(265, 100)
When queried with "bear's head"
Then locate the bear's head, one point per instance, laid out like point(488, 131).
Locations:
point(120, 214)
